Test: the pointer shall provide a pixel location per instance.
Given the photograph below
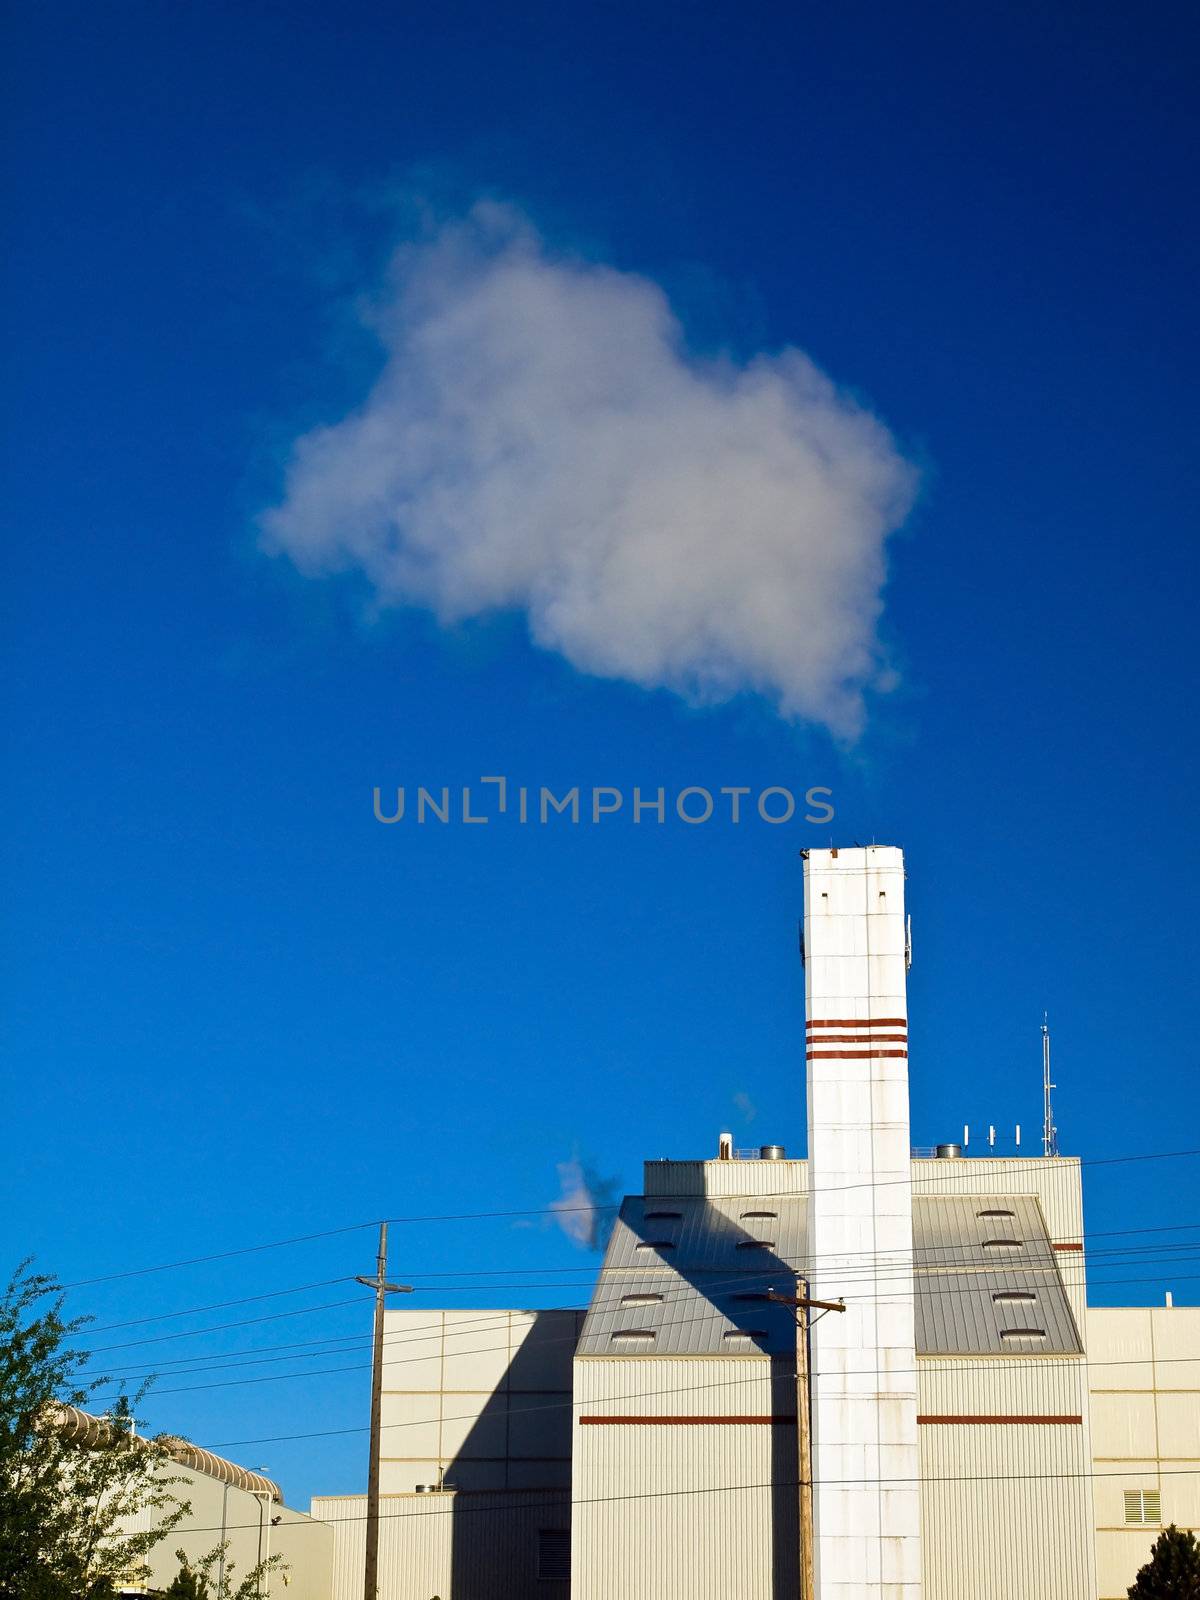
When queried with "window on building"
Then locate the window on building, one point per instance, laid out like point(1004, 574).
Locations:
point(554, 1555)
point(1143, 1506)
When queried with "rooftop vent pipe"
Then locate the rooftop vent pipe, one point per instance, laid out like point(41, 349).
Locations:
point(725, 1147)
point(772, 1152)
point(949, 1152)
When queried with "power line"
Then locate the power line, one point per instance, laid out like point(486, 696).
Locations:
point(423, 1336)
point(726, 1488)
point(893, 1278)
point(841, 1256)
point(221, 1327)
point(217, 1305)
point(1011, 1167)
point(1059, 1364)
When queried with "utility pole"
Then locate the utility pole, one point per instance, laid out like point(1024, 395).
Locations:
point(803, 1305)
point(382, 1288)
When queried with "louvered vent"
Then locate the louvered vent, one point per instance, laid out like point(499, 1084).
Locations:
point(1143, 1506)
point(554, 1554)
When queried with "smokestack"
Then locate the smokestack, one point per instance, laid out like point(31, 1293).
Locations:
point(867, 1542)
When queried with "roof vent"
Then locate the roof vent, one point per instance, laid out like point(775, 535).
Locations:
point(655, 1244)
point(1004, 1244)
point(746, 1333)
point(641, 1299)
point(756, 1244)
point(949, 1152)
point(632, 1336)
point(725, 1147)
point(665, 1216)
point(760, 1216)
point(772, 1152)
point(996, 1211)
point(1014, 1297)
point(1022, 1333)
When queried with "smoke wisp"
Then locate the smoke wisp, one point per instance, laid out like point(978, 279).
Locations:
point(586, 1208)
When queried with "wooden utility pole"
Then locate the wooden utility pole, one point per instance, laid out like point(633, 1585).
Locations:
point(382, 1288)
point(803, 1305)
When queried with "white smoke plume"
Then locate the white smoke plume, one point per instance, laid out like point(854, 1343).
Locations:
point(745, 1106)
point(587, 1206)
point(540, 438)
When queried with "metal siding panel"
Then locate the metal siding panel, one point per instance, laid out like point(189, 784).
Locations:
point(705, 1510)
point(448, 1544)
point(747, 1179)
point(1006, 1511)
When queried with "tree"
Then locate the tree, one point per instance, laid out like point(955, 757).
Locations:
point(187, 1584)
point(66, 1506)
point(1173, 1570)
point(193, 1583)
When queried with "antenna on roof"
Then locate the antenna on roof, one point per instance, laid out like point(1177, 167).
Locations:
point(1049, 1131)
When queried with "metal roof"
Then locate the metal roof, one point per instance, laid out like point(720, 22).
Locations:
point(693, 1271)
point(711, 1261)
point(959, 1273)
point(704, 1233)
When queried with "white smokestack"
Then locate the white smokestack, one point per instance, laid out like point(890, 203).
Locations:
point(865, 1467)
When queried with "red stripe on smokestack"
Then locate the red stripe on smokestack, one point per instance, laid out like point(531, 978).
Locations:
point(859, 1038)
point(852, 1055)
point(857, 1022)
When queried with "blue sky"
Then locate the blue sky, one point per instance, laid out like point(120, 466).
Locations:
point(239, 1009)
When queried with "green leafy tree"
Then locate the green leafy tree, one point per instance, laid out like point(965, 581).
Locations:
point(67, 1503)
point(200, 1583)
point(1173, 1570)
point(187, 1584)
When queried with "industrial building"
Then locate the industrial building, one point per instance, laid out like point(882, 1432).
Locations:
point(228, 1504)
point(973, 1431)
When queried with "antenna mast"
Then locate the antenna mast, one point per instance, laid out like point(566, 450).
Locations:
point(1049, 1131)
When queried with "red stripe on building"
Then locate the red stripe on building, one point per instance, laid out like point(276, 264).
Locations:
point(673, 1422)
point(1068, 1247)
point(1067, 1421)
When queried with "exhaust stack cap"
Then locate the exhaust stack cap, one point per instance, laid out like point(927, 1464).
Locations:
point(949, 1152)
point(725, 1147)
point(772, 1152)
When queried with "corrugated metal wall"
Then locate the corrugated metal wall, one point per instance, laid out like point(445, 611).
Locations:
point(725, 1177)
point(1144, 1375)
point(306, 1546)
point(702, 1509)
point(1006, 1506)
point(455, 1546)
